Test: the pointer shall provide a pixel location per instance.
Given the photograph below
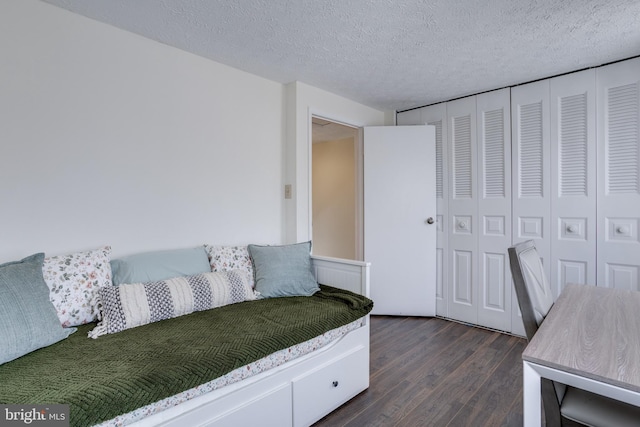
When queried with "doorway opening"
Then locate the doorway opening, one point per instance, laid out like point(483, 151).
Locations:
point(335, 189)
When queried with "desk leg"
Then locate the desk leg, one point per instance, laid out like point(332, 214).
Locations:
point(531, 397)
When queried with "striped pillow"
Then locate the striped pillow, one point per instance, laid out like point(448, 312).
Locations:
point(129, 305)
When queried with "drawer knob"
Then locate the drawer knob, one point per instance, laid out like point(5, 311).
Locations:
point(335, 383)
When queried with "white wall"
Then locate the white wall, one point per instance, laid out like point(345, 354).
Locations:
point(303, 101)
point(334, 198)
point(110, 138)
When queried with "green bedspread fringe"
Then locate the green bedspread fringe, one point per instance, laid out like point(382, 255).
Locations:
point(115, 374)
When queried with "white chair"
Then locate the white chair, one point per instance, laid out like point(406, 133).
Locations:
point(560, 402)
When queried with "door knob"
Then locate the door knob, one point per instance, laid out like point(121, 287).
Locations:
point(430, 220)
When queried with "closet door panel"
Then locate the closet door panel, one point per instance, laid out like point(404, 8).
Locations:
point(618, 103)
point(463, 211)
point(573, 178)
point(436, 115)
point(531, 199)
point(494, 209)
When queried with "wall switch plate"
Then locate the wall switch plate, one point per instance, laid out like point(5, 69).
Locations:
point(287, 191)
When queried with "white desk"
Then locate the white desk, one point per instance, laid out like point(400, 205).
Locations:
point(590, 340)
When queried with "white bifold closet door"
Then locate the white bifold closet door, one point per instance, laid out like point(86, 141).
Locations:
point(531, 163)
point(463, 210)
point(573, 179)
point(618, 98)
point(531, 200)
point(494, 209)
point(479, 143)
point(554, 177)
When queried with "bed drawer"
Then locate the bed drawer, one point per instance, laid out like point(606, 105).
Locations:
point(329, 386)
point(270, 409)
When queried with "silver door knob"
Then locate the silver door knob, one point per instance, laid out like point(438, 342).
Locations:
point(430, 220)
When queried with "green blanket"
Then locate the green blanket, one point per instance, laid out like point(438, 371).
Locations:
point(118, 373)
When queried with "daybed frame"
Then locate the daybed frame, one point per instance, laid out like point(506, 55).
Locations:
point(299, 392)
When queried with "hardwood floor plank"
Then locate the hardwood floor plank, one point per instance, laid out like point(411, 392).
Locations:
point(514, 417)
point(434, 372)
point(491, 404)
point(395, 360)
point(459, 386)
point(424, 375)
point(409, 334)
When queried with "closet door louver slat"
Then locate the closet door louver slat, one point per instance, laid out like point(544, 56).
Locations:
point(439, 158)
point(462, 168)
point(531, 150)
point(494, 148)
point(622, 159)
point(573, 147)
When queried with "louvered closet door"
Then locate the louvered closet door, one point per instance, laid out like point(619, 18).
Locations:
point(573, 177)
point(436, 115)
point(531, 174)
point(463, 211)
point(494, 209)
point(618, 99)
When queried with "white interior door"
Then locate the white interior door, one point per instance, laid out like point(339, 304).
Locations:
point(399, 219)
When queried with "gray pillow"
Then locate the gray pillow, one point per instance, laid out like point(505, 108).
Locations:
point(282, 271)
point(130, 305)
point(28, 320)
point(159, 265)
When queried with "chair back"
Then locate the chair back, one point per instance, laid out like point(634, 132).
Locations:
point(532, 288)
point(535, 301)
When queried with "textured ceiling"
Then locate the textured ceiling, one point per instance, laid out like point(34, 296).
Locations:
point(388, 54)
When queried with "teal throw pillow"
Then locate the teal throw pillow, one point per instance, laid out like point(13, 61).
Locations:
point(282, 271)
point(28, 320)
point(159, 265)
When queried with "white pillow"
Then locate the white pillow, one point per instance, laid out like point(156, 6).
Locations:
point(73, 281)
point(226, 258)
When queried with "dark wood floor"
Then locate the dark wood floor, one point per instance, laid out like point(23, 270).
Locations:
point(433, 372)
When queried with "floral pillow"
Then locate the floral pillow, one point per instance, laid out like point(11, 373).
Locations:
point(226, 258)
point(73, 282)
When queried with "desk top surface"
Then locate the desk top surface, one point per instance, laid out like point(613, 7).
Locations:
point(593, 332)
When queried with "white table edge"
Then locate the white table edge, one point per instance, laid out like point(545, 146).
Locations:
point(534, 372)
